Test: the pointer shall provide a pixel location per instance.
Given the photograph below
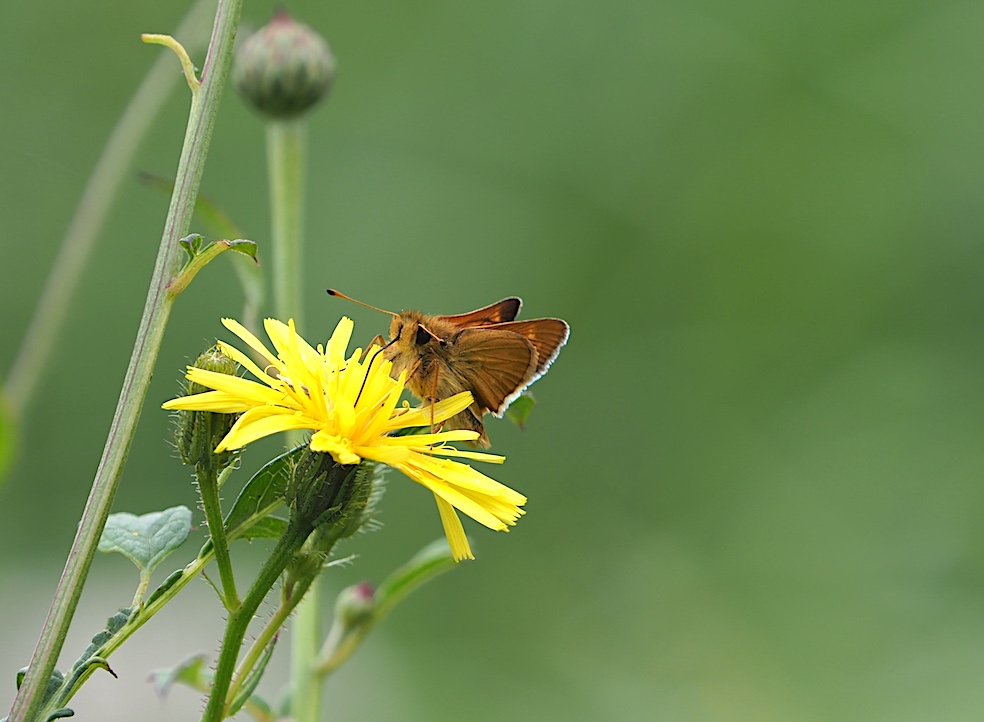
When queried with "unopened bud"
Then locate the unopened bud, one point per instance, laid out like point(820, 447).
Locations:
point(355, 604)
point(199, 432)
point(284, 68)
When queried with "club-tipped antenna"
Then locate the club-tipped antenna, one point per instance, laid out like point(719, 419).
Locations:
point(333, 292)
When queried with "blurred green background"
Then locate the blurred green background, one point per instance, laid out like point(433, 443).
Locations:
point(755, 471)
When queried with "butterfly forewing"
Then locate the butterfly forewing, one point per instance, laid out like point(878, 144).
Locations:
point(505, 310)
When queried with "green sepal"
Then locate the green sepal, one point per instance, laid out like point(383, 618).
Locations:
point(148, 539)
point(253, 679)
point(520, 409)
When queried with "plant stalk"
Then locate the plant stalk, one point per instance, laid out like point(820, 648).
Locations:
point(286, 143)
point(238, 622)
point(208, 487)
point(201, 120)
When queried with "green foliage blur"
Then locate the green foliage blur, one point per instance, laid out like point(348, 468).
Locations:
point(755, 472)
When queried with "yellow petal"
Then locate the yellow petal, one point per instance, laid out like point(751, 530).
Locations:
point(262, 421)
point(249, 391)
point(339, 341)
point(454, 531)
point(218, 402)
point(251, 340)
point(243, 360)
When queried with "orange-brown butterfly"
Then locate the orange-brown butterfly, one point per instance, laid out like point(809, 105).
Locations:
point(487, 352)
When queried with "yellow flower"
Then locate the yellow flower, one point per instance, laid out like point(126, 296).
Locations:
point(350, 405)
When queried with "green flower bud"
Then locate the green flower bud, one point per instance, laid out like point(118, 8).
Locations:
point(355, 605)
point(328, 497)
point(284, 68)
point(199, 432)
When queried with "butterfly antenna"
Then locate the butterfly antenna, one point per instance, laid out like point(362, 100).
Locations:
point(333, 292)
point(369, 366)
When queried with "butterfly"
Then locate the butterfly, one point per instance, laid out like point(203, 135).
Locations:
point(486, 351)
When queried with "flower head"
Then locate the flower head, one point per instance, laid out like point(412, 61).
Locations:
point(351, 406)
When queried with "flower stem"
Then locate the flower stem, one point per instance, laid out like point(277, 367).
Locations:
point(204, 108)
point(285, 159)
point(208, 487)
point(81, 235)
point(238, 622)
point(287, 607)
point(286, 141)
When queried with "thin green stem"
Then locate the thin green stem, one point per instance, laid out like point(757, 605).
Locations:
point(287, 606)
point(208, 487)
point(238, 622)
point(90, 214)
point(285, 160)
point(286, 141)
point(201, 120)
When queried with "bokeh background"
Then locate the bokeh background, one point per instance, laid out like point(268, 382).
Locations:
point(755, 473)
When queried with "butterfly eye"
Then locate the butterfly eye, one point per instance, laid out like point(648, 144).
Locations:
point(423, 336)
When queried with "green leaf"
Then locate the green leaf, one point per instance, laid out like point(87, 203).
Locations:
point(431, 561)
point(171, 580)
point(61, 714)
point(520, 409)
point(246, 247)
point(192, 245)
point(193, 673)
point(146, 540)
point(190, 672)
point(54, 682)
point(261, 495)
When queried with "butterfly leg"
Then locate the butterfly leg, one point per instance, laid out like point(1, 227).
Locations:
point(433, 395)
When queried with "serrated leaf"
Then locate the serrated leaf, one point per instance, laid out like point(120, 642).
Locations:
point(55, 681)
point(146, 540)
point(520, 409)
point(88, 657)
point(261, 495)
point(190, 672)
